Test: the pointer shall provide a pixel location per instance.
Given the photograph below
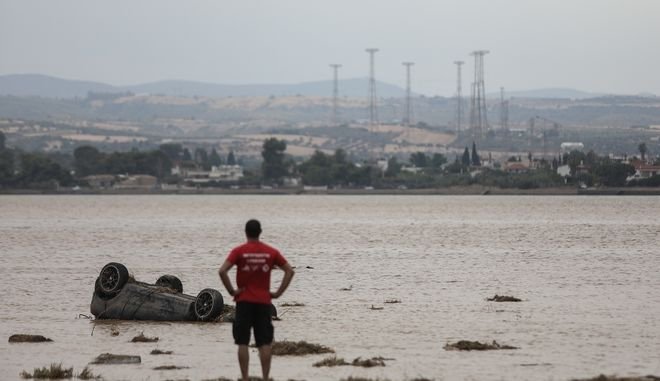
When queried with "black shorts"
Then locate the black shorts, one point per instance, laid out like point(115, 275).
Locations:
point(255, 316)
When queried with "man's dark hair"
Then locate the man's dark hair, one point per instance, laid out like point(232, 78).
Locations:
point(253, 229)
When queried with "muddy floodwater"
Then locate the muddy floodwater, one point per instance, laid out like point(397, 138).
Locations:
point(586, 268)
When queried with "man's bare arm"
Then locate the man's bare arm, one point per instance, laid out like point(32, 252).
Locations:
point(288, 275)
point(224, 277)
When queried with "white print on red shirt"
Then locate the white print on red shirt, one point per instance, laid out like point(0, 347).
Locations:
point(256, 261)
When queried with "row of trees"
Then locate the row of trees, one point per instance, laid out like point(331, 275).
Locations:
point(199, 157)
point(27, 170)
point(433, 171)
point(33, 170)
point(88, 160)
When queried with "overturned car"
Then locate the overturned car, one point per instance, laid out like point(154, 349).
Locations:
point(119, 296)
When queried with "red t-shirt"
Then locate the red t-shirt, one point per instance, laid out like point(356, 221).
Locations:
point(254, 260)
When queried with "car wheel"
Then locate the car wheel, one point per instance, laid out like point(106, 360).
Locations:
point(113, 277)
point(208, 304)
point(170, 281)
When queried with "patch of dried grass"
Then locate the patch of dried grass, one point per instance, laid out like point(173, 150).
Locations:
point(141, 338)
point(503, 298)
point(331, 361)
point(87, 374)
point(299, 348)
point(292, 304)
point(603, 377)
point(159, 352)
point(54, 372)
point(466, 345)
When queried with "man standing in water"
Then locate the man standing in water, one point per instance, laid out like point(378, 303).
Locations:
point(254, 261)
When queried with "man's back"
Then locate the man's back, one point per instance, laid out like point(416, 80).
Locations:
point(254, 261)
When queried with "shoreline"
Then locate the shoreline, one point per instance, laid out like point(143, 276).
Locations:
point(452, 191)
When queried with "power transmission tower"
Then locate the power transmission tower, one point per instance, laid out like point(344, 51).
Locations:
point(335, 94)
point(478, 119)
point(407, 119)
point(459, 96)
point(373, 108)
point(504, 111)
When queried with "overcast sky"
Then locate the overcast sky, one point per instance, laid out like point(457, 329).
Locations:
point(609, 46)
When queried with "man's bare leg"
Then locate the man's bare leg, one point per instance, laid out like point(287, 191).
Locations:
point(244, 360)
point(265, 354)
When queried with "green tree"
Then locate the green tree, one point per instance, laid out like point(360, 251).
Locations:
point(574, 159)
point(273, 167)
point(323, 169)
point(172, 150)
point(214, 158)
point(316, 170)
point(87, 161)
point(231, 159)
point(202, 158)
point(465, 160)
point(393, 167)
point(41, 172)
point(591, 158)
point(158, 164)
point(438, 160)
point(642, 150)
point(6, 166)
point(186, 155)
point(476, 161)
point(419, 159)
point(612, 173)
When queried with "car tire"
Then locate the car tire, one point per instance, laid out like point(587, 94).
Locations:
point(170, 281)
point(112, 278)
point(208, 304)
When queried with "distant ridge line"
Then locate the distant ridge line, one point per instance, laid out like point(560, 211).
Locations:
point(53, 87)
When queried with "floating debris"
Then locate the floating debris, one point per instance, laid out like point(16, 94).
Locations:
point(368, 363)
point(292, 304)
point(376, 308)
point(22, 338)
point(466, 345)
point(109, 358)
point(331, 361)
point(392, 301)
point(159, 352)
point(141, 338)
point(252, 378)
point(603, 377)
point(363, 379)
point(87, 374)
point(349, 288)
point(54, 372)
point(170, 367)
point(503, 298)
point(114, 331)
point(300, 348)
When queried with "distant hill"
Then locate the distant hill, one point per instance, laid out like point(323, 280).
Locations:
point(51, 87)
point(23, 85)
point(549, 93)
